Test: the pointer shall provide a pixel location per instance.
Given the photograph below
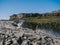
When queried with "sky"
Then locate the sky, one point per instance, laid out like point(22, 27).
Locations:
point(10, 7)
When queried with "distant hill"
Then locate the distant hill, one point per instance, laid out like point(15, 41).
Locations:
point(52, 14)
point(44, 20)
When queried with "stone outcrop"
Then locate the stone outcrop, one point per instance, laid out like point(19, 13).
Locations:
point(25, 36)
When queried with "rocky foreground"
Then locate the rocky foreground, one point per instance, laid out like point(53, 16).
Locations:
point(14, 35)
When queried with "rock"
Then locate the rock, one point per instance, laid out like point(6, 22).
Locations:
point(19, 41)
point(14, 36)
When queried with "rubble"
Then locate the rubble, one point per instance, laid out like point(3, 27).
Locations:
point(25, 36)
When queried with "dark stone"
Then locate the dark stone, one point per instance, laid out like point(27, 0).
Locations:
point(29, 43)
point(19, 41)
point(40, 39)
point(11, 42)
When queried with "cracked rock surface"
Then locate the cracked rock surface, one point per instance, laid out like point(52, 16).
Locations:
point(25, 36)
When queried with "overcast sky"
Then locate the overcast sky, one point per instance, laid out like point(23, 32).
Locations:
point(9, 7)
